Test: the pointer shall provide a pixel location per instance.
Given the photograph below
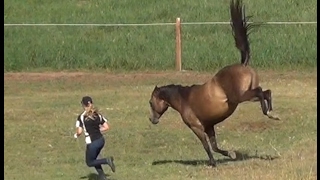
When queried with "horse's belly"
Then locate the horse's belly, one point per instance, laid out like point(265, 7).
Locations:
point(210, 103)
point(217, 112)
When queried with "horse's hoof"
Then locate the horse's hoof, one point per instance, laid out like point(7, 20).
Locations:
point(272, 117)
point(232, 155)
point(212, 164)
point(276, 118)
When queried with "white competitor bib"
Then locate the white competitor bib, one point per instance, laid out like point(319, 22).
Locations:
point(86, 134)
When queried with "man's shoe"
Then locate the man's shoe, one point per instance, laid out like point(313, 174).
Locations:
point(111, 164)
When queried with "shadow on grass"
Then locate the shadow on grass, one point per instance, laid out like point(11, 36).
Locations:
point(240, 156)
point(93, 176)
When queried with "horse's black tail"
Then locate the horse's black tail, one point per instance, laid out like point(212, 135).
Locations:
point(240, 28)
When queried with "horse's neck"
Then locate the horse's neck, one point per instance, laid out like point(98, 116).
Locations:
point(179, 95)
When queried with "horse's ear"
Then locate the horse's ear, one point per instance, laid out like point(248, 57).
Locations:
point(156, 87)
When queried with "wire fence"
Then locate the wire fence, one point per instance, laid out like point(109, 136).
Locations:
point(152, 47)
point(163, 24)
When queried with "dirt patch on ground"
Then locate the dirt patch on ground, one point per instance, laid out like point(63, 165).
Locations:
point(125, 77)
point(183, 76)
point(257, 126)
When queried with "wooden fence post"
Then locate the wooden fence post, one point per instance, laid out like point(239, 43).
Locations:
point(178, 45)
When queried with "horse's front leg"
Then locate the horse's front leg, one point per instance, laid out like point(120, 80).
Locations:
point(198, 130)
point(267, 96)
point(212, 138)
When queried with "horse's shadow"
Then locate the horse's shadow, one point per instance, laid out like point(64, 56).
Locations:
point(240, 156)
point(93, 176)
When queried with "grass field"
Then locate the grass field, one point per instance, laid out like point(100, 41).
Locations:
point(40, 111)
point(49, 68)
point(205, 47)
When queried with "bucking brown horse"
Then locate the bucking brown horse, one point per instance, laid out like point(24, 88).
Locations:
point(203, 106)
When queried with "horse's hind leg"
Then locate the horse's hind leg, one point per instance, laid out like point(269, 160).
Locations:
point(255, 93)
point(261, 95)
point(212, 138)
point(267, 97)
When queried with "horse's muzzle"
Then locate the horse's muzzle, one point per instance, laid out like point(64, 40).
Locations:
point(154, 120)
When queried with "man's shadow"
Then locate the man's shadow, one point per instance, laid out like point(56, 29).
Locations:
point(93, 176)
point(240, 156)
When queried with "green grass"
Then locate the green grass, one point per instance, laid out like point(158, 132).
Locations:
point(40, 111)
point(205, 47)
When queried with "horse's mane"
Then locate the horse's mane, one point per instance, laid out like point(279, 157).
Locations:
point(171, 91)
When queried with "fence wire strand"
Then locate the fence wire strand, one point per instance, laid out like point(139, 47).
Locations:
point(158, 24)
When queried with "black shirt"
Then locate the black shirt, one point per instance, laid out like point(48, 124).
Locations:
point(91, 127)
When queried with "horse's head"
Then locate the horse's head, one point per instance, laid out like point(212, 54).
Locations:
point(158, 105)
